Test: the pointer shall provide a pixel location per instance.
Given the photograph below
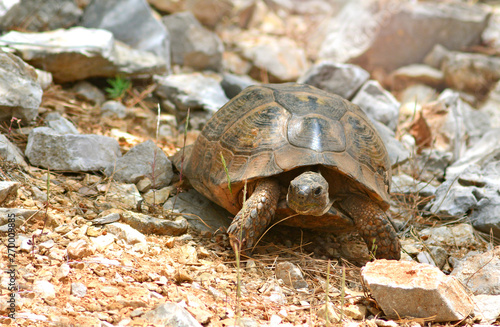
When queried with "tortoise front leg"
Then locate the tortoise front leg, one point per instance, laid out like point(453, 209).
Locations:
point(373, 225)
point(256, 214)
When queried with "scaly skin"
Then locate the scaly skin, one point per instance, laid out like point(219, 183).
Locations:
point(373, 225)
point(256, 214)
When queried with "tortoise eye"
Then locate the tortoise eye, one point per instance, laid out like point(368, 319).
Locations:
point(318, 190)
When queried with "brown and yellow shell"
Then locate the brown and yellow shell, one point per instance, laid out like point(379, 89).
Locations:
point(268, 130)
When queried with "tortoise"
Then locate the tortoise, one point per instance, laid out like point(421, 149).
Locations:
point(298, 154)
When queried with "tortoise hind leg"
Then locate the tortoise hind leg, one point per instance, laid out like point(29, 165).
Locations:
point(373, 225)
point(256, 214)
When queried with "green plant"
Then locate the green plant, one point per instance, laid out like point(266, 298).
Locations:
point(119, 86)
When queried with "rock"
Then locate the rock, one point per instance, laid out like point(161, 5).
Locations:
point(22, 216)
point(89, 92)
point(158, 196)
point(453, 200)
point(78, 289)
point(20, 92)
point(126, 233)
point(168, 5)
point(106, 219)
point(461, 235)
point(11, 153)
point(209, 12)
point(44, 78)
point(405, 184)
point(172, 314)
point(395, 34)
point(102, 242)
point(480, 273)
point(280, 58)
point(193, 45)
point(79, 53)
point(71, 152)
point(470, 72)
point(131, 22)
point(491, 104)
point(405, 76)
point(378, 104)
point(195, 91)
point(151, 225)
point(433, 163)
point(138, 164)
point(491, 34)
point(397, 152)
point(8, 190)
point(234, 84)
point(44, 289)
point(124, 196)
point(79, 249)
point(113, 109)
point(32, 15)
point(342, 79)
point(487, 307)
point(201, 214)
point(327, 312)
point(408, 289)
point(59, 124)
point(355, 311)
point(291, 275)
point(436, 56)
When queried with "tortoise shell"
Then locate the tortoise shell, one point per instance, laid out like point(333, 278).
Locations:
point(282, 130)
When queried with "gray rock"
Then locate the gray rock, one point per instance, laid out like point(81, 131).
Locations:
point(192, 44)
point(138, 164)
point(278, 57)
point(487, 307)
point(171, 314)
point(11, 153)
point(111, 218)
point(453, 200)
point(125, 196)
point(491, 34)
point(79, 53)
point(480, 273)
point(89, 92)
point(405, 184)
point(151, 225)
point(44, 78)
point(125, 232)
point(33, 15)
point(471, 72)
point(234, 84)
point(201, 213)
point(44, 289)
point(460, 235)
point(20, 92)
point(59, 124)
point(71, 152)
point(8, 190)
point(342, 79)
point(432, 164)
point(113, 109)
point(405, 76)
point(22, 216)
point(195, 91)
point(78, 289)
point(491, 105)
point(395, 34)
point(416, 290)
point(291, 275)
point(436, 56)
point(378, 104)
point(397, 152)
point(131, 22)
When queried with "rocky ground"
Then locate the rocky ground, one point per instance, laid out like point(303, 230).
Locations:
point(97, 229)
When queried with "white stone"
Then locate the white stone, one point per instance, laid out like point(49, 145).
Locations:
point(127, 233)
point(44, 289)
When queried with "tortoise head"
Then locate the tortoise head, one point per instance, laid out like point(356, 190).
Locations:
point(308, 194)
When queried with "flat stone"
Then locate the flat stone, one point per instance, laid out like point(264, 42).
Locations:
point(79, 249)
point(192, 44)
point(124, 196)
point(406, 184)
point(138, 164)
point(409, 289)
point(393, 34)
point(61, 125)
point(405, 76)
point(151, 225)
point(113, 108)
point(171, 314)
point(194, 91)
point(480, 273)
point(341, 79)
point(125, 232)
point(71, 152)
point(79, 53)
point(89, 92)
point(453, 200)
point(20, 91)
point(8, 190)
point(461, 235)
point(491, 104)
point(44, 289)
point(487, 307)
point(131, 22)
point(378, 104)
point(78, 289)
